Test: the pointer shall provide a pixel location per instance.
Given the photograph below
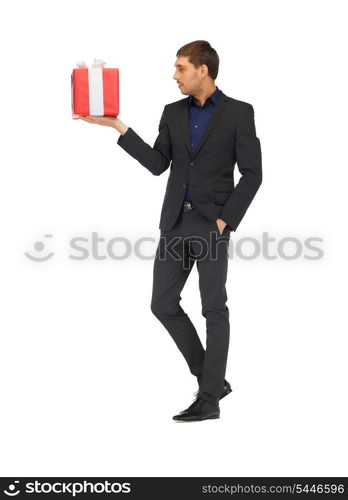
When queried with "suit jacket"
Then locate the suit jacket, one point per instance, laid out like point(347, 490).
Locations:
point(229, 138)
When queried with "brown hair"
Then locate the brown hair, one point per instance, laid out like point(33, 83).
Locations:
point(200, 52)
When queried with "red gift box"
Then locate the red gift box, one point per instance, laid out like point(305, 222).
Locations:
point(95, 92)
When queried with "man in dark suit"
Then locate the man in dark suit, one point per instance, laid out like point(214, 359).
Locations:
point(201, 137)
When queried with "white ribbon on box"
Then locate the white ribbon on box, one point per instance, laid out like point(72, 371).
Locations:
point(95, 86)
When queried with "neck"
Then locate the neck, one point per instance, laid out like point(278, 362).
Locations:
point(201, 96)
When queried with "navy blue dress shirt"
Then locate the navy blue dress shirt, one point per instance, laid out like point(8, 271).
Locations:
point(198, 119)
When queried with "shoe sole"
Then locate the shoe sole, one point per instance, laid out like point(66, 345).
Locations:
point(195, 419)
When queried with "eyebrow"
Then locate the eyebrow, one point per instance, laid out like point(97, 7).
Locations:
point(179, 65)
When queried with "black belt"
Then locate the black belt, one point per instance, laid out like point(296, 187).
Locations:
point(187, 206)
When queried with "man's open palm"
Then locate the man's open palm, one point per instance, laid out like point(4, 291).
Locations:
point(108, 121)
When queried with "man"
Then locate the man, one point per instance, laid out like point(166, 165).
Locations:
point(201, 137)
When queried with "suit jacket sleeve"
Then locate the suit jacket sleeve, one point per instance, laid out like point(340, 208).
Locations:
point(248, 157)
point(157, 158)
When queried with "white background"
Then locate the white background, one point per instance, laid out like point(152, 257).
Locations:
point(90, 379)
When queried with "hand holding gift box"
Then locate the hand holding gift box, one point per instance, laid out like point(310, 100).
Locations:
point(94, 90)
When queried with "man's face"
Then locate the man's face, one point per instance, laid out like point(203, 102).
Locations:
point(189, 77)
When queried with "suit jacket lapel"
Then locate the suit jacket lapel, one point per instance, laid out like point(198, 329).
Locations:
point(184, 125)
point(218, 109)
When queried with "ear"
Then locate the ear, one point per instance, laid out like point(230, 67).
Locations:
point(204, 69)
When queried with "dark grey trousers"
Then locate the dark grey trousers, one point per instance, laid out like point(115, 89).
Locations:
point(194, 238)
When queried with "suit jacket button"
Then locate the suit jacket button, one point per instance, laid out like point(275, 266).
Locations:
point(184, 185)
point(192, 163)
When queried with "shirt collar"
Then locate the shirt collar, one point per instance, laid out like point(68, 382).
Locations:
point(213, 97)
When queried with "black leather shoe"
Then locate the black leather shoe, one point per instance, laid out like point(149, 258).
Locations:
point(225, 391)
point(199, 410)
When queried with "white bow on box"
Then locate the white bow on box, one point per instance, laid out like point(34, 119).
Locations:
point(98, 63)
